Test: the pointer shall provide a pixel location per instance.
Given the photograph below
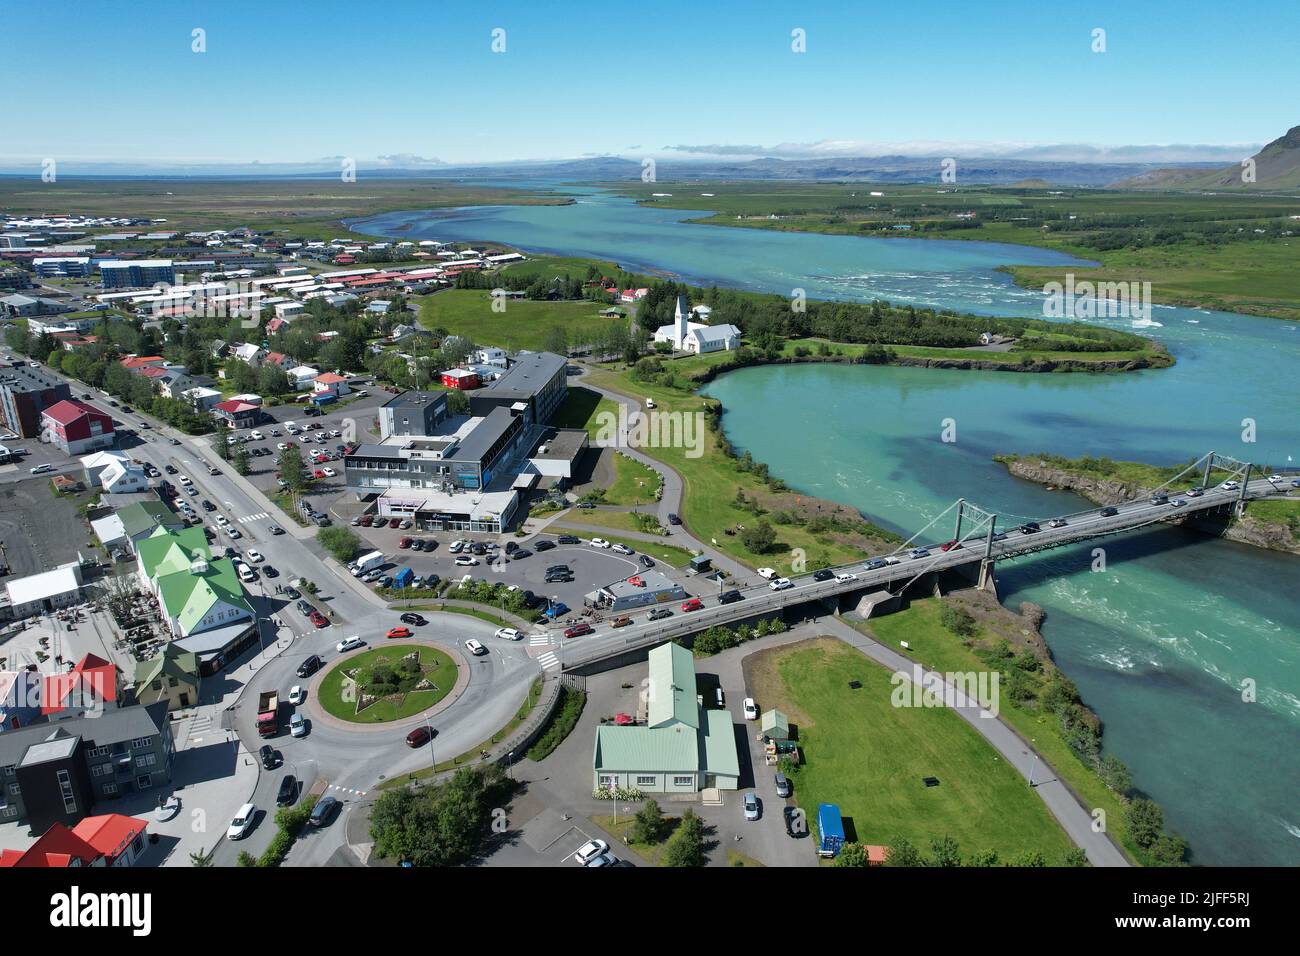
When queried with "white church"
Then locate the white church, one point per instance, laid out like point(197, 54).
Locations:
point(698, 337)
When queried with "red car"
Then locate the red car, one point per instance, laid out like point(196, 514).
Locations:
point(319, 619)
point(367, 520)
point(395, 522)
point(395, 632)
point(420, 736)
point(694, 604)
point(579, 629)
point(318, 473)
point(404, 543)
point(952, 545)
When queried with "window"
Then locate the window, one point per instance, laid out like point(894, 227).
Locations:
point(606, 780)
point(146, 760)
point(14, 789)
point(140, 742)
point(65, 790)
point(97, 752)
point(110, 789)
point(683, 781)
point(101, 770)
point(144, 781)
point(645, 781)
point(9, 770)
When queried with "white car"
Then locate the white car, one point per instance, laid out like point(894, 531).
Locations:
point(297, 726)
point(281, 446)
point(621, 549)
point(508, 633)
point(255, 556)
point(475, 648)
point(649, 403)
point(605, 859)
point(335, 433)
point(350, 644)
point(590, 850)
point(1274, 479)
point(256, 435)
point(328, 472)
point(751, 709)
point(1230, 485)
point(246, 573)
point(780, 584)
point(599, 543)
point(297, 695)
point(234, 532)
point(242, 823)
point(845, 576)
point(767, 574)
point(221, 520)
point(465, 561)
point(183, 480)
point(456, 547)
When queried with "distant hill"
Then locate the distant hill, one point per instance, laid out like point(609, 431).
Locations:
point(1033, 183)
point(1277, 166)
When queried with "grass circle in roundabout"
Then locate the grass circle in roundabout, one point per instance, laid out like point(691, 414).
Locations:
point(387, 683)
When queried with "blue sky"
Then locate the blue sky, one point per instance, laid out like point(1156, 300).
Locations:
point(297, 82)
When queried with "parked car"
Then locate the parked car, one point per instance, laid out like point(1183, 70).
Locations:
point(646, 561)
point(750, 803)
point(621, 549)
point(567, 539)
point(242, 822)
point(751, 709)
point(543, 544)
point(783, 788)
point(589, 851)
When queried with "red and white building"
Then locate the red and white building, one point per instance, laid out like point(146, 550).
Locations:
point(111, 839)
point(462, 378)
point(330, 383)
point(76, 427)
point(239, 414)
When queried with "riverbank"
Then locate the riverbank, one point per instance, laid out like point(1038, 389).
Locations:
point(1272, 525)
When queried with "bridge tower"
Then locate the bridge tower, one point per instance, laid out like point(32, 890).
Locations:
point(985, 581)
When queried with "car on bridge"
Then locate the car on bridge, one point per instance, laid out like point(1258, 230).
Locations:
point(579, 630)
point(780, 584)
point(1159, 498)
point(875, 564)
point(919, 553)
point(659, 613)
point(1177, 502)
point(823, 574)
point(952, 545)
point(730, 597)
point(1195, 492)
point(1030, 527)
point(1057, 523)
point(1274, 479)
point(1230, 485)
point(767, 574)
point(843, 576)
point(1109, 511)
point(694, 604)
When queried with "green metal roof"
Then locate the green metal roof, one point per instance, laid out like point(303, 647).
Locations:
point(188, 596)
point(775, 725)
point(718, 745)
point(166, 552)
point(671, 749)
point(672, 687)
point(173, 662)
point(141, 516)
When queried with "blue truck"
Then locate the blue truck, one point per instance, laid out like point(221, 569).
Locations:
point(830, 829)
point(403, 577)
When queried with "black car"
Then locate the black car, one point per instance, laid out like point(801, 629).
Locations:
point(823, 574)
point(567, 539)
point(270, 759)
point(324, 811)
point(673, 519)
point(275, 529)
point(173, 441)
point(559, 578)
point(511, 547)
point(1160, 498)
point(795, 823)
point(1030, 527)
point(270, 571)
point(1109, 512)
point(730, 597)
point(288, 790)
point(543, 544)
point(292, 593)
point(170, 469)
point(477, 549)
point(660, 613)
point(208, 505)
point(412, 618)
point(646, 561)
point(520, 553)
point(310, 666)
point(557, 568)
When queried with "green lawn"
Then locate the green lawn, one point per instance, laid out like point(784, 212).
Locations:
point(580, 409)
point(868, 756)
point(667, 553)
point(443, 675)
point(522, 324)
point(935, 647)
point(618, 520)
point(634, 483)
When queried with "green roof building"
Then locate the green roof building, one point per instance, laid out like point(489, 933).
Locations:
point(682, 747)
point(141, 519)
point(172, 677)
point(203, 595)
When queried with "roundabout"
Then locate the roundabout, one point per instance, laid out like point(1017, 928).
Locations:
point(395, 683)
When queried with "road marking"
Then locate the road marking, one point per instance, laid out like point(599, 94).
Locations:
point(257, 517)
point(543, 640)
point(548, 661)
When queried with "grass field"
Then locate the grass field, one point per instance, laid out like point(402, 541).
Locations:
point(607, 518)
point(868, 756)
point(331, 691)
point(935, 647)
point(667, 553)
point(1255, 276)
point(522, 324)
point(634, 483)
point(581, 408)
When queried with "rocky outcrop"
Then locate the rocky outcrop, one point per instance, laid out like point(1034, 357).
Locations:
point(1244, 529)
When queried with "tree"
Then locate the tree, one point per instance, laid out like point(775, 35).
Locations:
point(1029, 858)
point(1169, 850)
point(1115, 775)
point(556, 340)
point(243, 461)
point(457, 402)
point(902, 853)
point(649, 826)
point(983, 858)
point(759, 538)
point(946, 852)
point(223, 433)
point(852, 854)
point(290, 466)
point(1076, 857)
point(686, 847)
point(438, 825)
point(1145, 821)
point(342, 543)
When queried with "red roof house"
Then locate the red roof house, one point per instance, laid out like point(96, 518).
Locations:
point(239, 414)
point(112, 839)
point(134, 363)
point(91, 682)
point(77, 427)
point(57, 848)
point(117, 838)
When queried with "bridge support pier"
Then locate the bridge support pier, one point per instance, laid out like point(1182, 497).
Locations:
point(987, 582)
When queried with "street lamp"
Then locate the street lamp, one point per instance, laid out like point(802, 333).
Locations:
point(1033, 763)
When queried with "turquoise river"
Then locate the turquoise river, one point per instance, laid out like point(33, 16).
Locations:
point(1161, 641)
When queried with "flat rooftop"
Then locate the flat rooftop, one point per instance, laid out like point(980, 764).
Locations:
point(528, 375)
point(415, 399)
point(561, 444)
point(24, 378)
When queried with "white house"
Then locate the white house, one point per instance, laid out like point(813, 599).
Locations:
point(123, 477)
point(687, 336)
point(302, 376)
point(200, 398)
point(251, 354)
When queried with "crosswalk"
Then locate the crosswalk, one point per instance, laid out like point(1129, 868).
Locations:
point(540, 640)
point(249, 518)
point(549, 661)
point(355, 793)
